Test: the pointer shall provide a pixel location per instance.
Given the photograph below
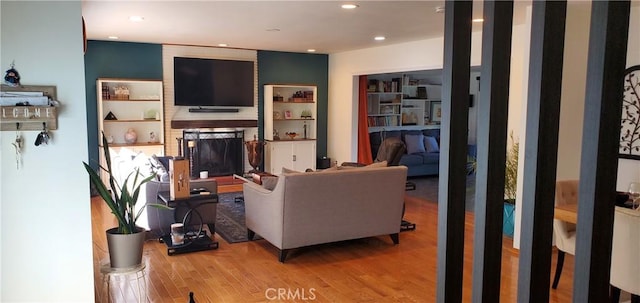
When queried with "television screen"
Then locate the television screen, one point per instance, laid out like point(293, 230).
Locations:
point(213, 82)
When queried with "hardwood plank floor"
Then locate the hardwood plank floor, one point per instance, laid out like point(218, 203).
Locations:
point(365, 270)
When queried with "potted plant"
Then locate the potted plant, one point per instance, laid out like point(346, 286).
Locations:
point(124, 242)
point(510, 187)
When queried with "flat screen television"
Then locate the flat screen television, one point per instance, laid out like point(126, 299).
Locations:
point(213, 82)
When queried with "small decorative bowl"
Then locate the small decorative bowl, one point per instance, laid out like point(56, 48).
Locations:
point(292, 135)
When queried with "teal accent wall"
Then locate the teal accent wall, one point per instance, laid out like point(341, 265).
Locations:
point(105, 59)
point(296, 68)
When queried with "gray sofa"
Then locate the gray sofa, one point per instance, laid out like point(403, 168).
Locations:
point(326, 206)
point(422, 163)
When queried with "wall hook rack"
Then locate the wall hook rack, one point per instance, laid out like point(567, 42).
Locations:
point(29, 117)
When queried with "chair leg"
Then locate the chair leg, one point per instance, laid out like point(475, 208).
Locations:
point(559, 264)
point(615, 294)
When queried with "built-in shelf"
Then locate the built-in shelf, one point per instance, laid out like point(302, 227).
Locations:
point(293, 102)
point(134, 144)
point(131, 100)
point(287, 139)
point(132, 120)
point(181, 124)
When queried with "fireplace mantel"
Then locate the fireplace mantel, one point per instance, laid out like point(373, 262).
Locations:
point(181, 124)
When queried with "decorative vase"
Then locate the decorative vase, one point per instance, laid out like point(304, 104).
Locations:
point(125, 250)
point(254, 153)
point(130, 136)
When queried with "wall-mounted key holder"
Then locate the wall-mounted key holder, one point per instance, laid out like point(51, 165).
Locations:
point(26, 116)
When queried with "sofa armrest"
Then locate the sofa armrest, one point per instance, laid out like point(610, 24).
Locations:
point(264, 211)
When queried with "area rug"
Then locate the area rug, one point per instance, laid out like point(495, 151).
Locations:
point(230, 224)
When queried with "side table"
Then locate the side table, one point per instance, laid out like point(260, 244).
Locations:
point(122, 275)
point(192, 242)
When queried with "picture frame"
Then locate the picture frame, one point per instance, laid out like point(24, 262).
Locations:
point(630, 116)
point(436, 111)
point(287, 114)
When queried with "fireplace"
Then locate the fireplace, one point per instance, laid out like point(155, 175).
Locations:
point(221, 153)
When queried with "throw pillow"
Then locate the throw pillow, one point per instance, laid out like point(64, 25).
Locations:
point(162, 173)
point(415, 143)
point(431, 145)
point(269, 182)
point(289, 171)
point(377, 164)
point(141, 163)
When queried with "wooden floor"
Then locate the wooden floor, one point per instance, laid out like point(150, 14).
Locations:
point(366, 270)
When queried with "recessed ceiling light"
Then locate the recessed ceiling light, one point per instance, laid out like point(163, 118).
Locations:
point(379, 38)
point(136, 18)
point(350, 6)
point(273, 29)
point(113, 37)
point(477, 20)
point(311, 50)
point(223, 44)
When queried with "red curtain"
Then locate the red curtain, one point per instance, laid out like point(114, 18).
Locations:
point(364, 145)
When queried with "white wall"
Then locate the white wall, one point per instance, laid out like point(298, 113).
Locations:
point(46, 246)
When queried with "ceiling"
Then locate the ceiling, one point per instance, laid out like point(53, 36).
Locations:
point(292, 26)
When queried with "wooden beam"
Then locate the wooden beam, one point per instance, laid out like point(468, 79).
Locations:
point(599, 161)
point(492, 133)
point(541, 149)
point(453, 140)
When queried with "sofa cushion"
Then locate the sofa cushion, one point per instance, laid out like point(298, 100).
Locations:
point(412, 160)
point(289, 171)
point(415, 143)
point(431, 145)
point(432, 133)
point(377, 164)
point(431, 158)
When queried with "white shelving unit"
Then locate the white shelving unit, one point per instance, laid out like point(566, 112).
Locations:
point(384, 108)
point(398, 102)
point(290, 108)
point(136, 104)
point(416, 104)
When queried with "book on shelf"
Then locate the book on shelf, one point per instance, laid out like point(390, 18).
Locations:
point(382, 121)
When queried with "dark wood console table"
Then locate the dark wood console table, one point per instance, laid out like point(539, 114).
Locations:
point(194, 242)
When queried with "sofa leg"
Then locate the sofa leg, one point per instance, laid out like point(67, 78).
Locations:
point(282, 255)
point(395, 238)
point(250, 234)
